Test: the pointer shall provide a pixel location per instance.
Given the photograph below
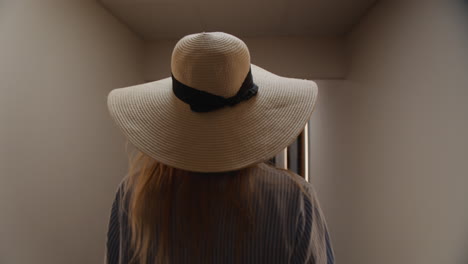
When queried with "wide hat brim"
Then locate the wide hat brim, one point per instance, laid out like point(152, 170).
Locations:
point(163, 127)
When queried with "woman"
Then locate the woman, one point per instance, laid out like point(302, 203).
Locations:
point(200, 188)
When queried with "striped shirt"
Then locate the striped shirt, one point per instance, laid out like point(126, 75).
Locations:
point(290, 226)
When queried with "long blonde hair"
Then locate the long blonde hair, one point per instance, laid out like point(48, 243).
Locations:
point(150, 189)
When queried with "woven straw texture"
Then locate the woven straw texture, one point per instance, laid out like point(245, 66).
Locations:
point(160, 125)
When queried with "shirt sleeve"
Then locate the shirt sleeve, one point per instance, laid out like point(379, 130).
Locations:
point(313, 243)
point(113, 232)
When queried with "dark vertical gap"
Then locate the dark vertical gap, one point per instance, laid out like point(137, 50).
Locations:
point(300, 159)
point(293, 157)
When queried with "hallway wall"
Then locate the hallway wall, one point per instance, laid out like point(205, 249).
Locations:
point(407, 158)
point(61, 157)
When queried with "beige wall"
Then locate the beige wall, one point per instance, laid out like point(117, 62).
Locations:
point(329, 153)
point(407, 171)
point(60, 156)
point(307, 57)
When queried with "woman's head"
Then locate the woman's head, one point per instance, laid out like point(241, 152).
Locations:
point(189, 121)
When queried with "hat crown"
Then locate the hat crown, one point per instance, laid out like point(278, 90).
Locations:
point(213, 62)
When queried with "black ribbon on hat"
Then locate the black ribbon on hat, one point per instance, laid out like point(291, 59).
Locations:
point(201, 101)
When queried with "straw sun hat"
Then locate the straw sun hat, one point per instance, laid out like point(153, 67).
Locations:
point(217, 112)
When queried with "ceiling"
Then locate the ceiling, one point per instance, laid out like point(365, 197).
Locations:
point(173, 19)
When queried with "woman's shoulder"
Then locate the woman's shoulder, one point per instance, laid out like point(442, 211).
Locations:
point(280, 181)
point(269, 174)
